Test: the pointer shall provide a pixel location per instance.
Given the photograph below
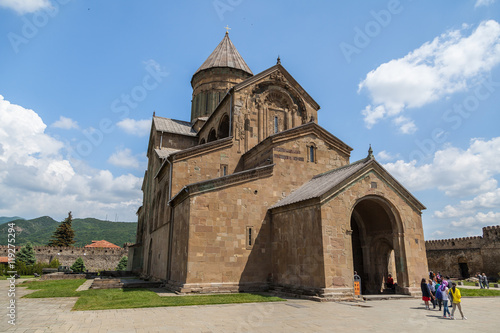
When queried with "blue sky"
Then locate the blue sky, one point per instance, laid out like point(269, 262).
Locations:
point(80, 80)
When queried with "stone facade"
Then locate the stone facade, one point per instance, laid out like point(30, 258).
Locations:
point(95, 259)
point(464, 257)
point(215, 216)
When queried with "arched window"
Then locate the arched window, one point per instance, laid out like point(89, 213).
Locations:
point(311, 153)
point(202, 142)
point(212, 136)
point(223, 131)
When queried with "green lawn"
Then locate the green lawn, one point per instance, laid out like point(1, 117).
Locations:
point(467, 283)
point(479, 292)
point(53, 288)
point(143, 298)
point(102, 299)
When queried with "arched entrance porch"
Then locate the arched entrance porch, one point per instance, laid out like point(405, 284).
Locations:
point(378, 245)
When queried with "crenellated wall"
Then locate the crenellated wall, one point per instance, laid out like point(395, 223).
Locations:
point(94, 258)
point(459, 257)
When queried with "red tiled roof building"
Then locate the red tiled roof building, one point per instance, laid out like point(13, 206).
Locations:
point(103, 243)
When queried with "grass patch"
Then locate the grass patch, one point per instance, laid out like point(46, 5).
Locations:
point(53, 288)
point(103, 299)
point(467, 283)
point(479, 292)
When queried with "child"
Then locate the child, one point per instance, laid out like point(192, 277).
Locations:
point(457, 301)
point(444, 294)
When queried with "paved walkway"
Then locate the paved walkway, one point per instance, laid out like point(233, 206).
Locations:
point(85, 286)
point(404, 315)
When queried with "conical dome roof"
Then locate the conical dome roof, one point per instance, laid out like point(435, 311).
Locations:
point(225, 55)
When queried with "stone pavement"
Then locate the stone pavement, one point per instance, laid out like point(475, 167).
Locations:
point(404, 315)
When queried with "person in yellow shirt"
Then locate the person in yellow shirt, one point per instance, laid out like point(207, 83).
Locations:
point(457, 301)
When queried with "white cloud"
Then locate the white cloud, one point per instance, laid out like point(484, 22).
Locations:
point(65, 123)
point(123, 158)
point(455, 171)
point(469, 174)
point(135, 127)
point(406, 126)
point(486, 200)
point(484, 3)
point(478, 220)
point(437, 234)
point(40, 181)
point(450, 63)
point(385, 156)
point(25, 6)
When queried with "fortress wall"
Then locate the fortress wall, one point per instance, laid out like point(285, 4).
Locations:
point(470, 254)
point(94, 258)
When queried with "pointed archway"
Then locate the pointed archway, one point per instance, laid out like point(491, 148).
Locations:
point(212, 135)
point(377, 245)
point(223, 131)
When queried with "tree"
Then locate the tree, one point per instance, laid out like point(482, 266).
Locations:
point(78, 266)
point(26, 254)
point(64, 234)
point(122, 264)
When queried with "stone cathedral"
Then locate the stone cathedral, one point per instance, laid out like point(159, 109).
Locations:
point(252, 194)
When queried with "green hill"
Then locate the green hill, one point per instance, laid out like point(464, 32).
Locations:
point(39, 231)
point(5, 219)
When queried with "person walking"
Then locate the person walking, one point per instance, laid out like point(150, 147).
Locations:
point(432, 287)
point(426, 293)
point(457, 301)
point(438, 294)
point(480, 280)
point(485, 281)
point(444, 294)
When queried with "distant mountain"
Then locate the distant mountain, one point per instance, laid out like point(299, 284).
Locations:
point(5, 219)
point(40, 230)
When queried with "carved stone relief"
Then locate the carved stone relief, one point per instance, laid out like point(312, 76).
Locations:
point(277, 76)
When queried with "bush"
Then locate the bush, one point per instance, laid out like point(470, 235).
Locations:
point(78, 266)
point(23, 269)
point(122, 265)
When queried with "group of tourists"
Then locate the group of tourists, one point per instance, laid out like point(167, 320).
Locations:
point(483, 280)
point(441, 292)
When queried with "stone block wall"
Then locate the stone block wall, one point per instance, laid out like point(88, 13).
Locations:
point(94, 258)
point(299, 265)
point(459, 257)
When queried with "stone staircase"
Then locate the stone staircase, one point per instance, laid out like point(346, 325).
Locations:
point(388, 291)
point(123, 283)
point(106, 284)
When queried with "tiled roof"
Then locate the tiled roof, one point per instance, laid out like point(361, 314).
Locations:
point(4, 260)
point(322, 183)
point(103, 243)
point(225, 55)
point(173, 126)
point(165, 152)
